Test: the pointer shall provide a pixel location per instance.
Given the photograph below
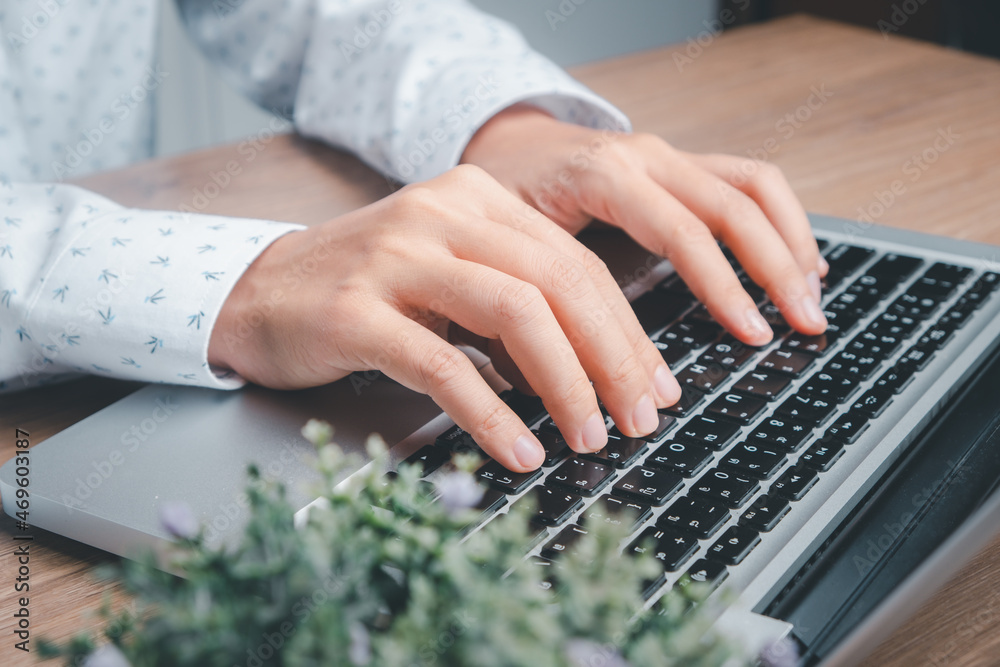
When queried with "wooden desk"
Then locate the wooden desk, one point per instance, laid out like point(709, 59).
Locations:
point(883, 103)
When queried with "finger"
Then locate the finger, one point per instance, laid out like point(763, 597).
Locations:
point(656, 220)
point(420, 360)
point(498, 354)
point(740, 224)
point(493, 304)
point(521, 217)
point(596, 336)
point(767, 185)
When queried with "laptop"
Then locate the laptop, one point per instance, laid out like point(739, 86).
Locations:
point(828, 484)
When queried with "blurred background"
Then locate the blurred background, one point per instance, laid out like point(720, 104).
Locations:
point(195, 108)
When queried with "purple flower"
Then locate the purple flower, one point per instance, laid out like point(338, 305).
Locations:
point(107, 656)
point(178, 519)
point(586, 653)
point(782, 653)
point(458, 491)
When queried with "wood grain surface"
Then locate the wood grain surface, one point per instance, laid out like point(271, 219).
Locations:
point(849, 115)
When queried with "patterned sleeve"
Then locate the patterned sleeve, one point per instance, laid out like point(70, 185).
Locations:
point(87, 286)
point(404, 84)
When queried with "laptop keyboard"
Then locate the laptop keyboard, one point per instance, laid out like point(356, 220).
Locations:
point(755, 428)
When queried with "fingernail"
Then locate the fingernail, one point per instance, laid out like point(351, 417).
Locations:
point(815, 286)
point(528, 452)
point(811, 310)
point(595, 435)
point(757, 326)
point(666, 386)
point(824, 266)
point(644, 417)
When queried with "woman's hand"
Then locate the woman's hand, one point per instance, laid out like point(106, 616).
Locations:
point(379, 287)
point(675, 204)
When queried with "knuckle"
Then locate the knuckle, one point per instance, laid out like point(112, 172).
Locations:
point(518, 303)
point(469, 175)
point(576, 392)
point(690, 231)
point(734, 206)
point(565, 275)
point(626, 373)
point(493, 421)
point(594, 265)
point(442, 367)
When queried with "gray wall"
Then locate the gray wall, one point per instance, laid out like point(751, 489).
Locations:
point(196, 109)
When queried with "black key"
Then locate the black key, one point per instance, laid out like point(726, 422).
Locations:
point(457, 441)
point(933, 288)
point(617, 512)
point(739, 407)
point(874, 343)
point(669, 547)
point(765, 513)
point(552, 506)
point(690, 398)
point(658, 308)
point(673, 353)
point(987, 282)
point(728, 488)
point(807, 409)
point(555, 447)
point(840, 322)
point(664, 426)
point(706, 572)
point(956, 316)
point(429, 457)
point(895, 380)
point(713, 433)
point(845, 260)
point(648, 485)
point(620, 452)
point(691, 333)
point(935, 337)
point(583, 477)
point(857, 366)
point(822, 244)
point(500, 478)
point(794, 483)
point(563, 541)
point(873, 403)
point(752, 460)
point(858, 298)
point(893, 324)
point(822, 455)
point(774, 319)
point(528, 408)
point(677, 285)
point(767, 386)
point(916, 358)
point(734, 545)
point(836, 388)
point(753, 290)
point(816, 345)
point(697, 517)
point(701, 377)
point(895, 267)
point(685, 459)
point(547, 567)
point(789, 362)
point(781, 432)
point(948, 272)
point(491, 501)
point(917, 307)
point(729, 353)
point(848, 428)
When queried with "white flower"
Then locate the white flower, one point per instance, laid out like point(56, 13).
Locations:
point(360, 651)
point(107, 656)
point(458, 491)
point(585, 653)
point(318, 432)
point(782, 653)
point(178, 519)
